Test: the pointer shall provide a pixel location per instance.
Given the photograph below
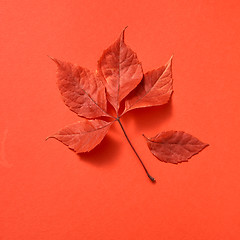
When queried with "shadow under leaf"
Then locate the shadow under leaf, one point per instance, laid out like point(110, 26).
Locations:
point(150, 117)
point(103, 154)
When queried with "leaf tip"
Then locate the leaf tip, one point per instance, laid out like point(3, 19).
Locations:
point(125, 28)
point(48, 138)
point(145, 137)
point(206, 145)
point(54, 60)
point(123, 33)
point(170, 61)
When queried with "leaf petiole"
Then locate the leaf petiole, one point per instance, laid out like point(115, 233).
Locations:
point(150, 177)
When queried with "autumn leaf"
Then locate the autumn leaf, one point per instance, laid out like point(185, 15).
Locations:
point(82, 91)
point(120, 71)
point(119, 79)
point(84, 135)
point(155, 89)
point(174, 146)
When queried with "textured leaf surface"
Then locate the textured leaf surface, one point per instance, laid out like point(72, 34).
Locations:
point(119, 77)
point(155, 89)
point(82, 91)
point(84, 135)
point(174, 146)
point(120, 70)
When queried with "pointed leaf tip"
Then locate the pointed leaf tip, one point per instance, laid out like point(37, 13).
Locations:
point(144, 136)
point(47, 138)
point(50, 57)
point(58, 62)
point(122, 36)
point(120, 71)
point(155, 89)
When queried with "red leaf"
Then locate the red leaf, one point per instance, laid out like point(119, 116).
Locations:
point(84, 135)
point(81, 90)
point(174, 146)
point(119, 77)
point(155, 89)
point(120, 70)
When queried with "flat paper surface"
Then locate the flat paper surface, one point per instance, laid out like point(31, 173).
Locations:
point(49, 192)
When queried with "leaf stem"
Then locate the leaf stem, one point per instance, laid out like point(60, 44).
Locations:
point(150, 177)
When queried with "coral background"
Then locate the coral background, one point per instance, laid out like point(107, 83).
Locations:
point(48, 192)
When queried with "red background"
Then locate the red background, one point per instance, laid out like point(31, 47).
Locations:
point(48, 192)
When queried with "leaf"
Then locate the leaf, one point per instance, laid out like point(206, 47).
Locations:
point(155, 89)
point(120, 71)
point(81, 90)
point(84, 135)
point(119, 79)
point(174, 146)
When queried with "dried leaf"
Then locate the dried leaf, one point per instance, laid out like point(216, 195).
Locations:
point(174, 146)
point(119, 78)
point(120, 70)
point(84, 135)
point(155, 89)
point(81, 90)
